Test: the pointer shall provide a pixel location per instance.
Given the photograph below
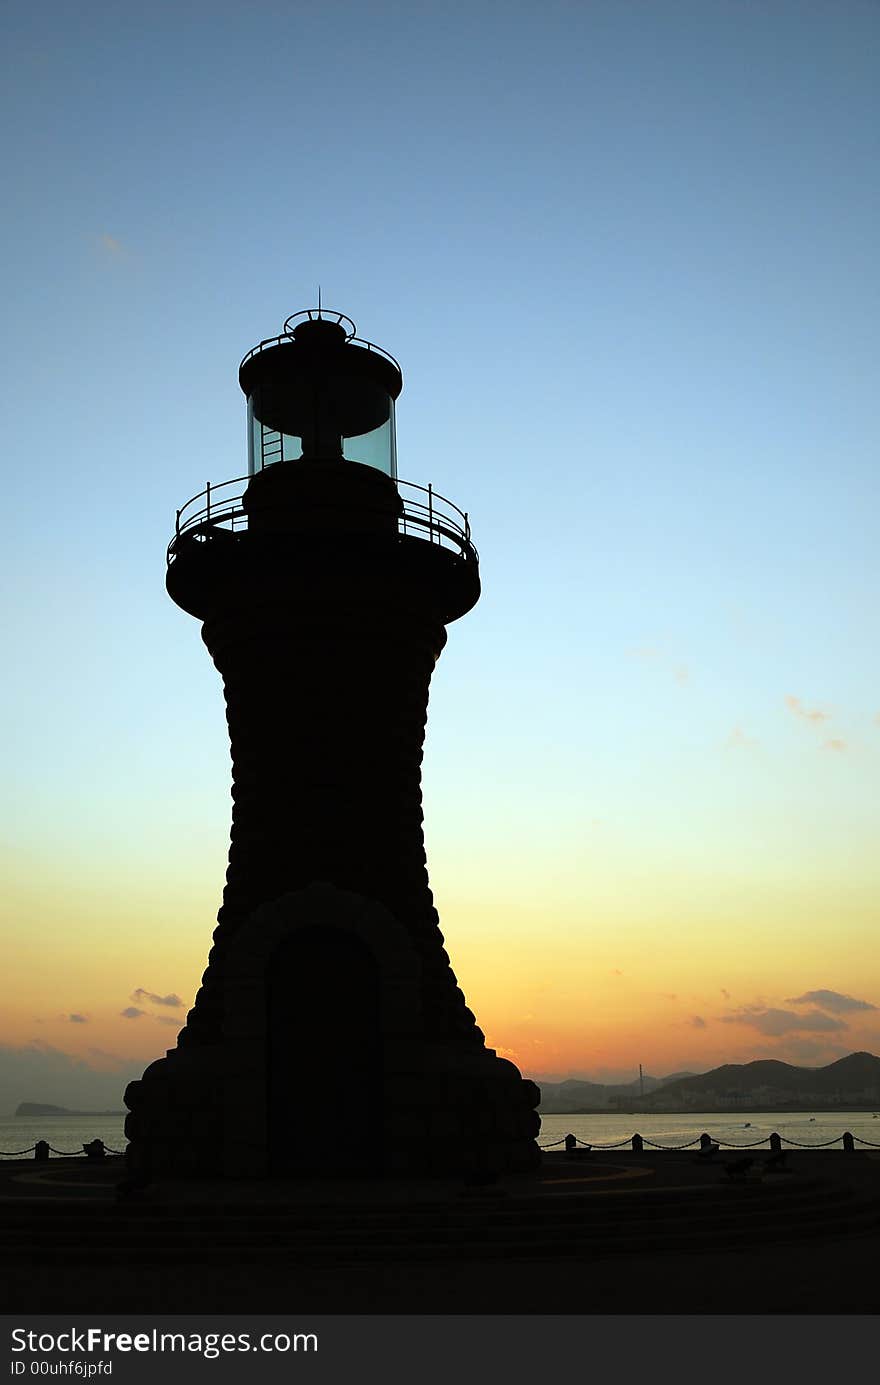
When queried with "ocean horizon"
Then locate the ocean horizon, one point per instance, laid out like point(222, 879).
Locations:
point(742, 1129)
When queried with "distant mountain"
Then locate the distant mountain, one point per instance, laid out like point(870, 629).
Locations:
point(573, 1095)
point(37, 1108)
point(851, 1081)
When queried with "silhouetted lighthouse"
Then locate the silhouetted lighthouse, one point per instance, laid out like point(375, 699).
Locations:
point(329, 1033)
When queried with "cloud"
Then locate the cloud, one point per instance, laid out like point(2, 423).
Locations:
point(77, 1019)
point(36, 1071)
point(698, 1022)
point(831, 1000)
point(739, 739)
point(168, 1019)
point(796, 706)
point(725, 993)
point(648, 654)
point(615, 971)
point(172, 1000)
point(114, 248)
point(132, 1013)
point(795, 1048)
point(835, 744)
point(775, 1023)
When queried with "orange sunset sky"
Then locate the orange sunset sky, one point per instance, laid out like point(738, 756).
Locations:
point(627, 256)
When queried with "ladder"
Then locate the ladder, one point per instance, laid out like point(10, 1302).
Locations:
point(271, 445)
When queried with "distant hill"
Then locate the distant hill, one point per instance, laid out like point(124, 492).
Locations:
point(37, 1108)
point(853, 1081)
point(574, 1096)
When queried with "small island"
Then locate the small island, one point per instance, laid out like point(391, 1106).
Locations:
point(37, 1108)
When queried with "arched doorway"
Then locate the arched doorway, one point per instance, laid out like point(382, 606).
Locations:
point(324, 1055)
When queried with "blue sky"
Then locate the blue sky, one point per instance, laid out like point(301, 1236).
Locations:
point(626, 254)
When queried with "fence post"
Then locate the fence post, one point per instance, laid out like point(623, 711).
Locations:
point(849, 1143)
point(570, 1144)
point(775, 1143)
point(41, 1150)
point(637, 1144)
point(208, 493)
point(705, 1141)
point(430, 512)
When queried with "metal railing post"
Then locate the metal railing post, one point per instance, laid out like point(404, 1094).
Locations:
point(208, 493)
point(430, 512)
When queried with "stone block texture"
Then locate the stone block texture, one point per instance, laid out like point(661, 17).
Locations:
point(328, 989)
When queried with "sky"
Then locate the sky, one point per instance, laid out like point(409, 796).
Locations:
point(626, 253)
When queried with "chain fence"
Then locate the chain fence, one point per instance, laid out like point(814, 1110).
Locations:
point(60, 1153)
point(636, 1141)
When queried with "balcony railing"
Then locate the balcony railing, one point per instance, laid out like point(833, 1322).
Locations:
point(426, 515)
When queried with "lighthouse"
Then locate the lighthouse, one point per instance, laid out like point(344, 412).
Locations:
point(329, 1035)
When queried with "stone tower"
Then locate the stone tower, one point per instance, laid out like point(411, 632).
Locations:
point(329, 1035)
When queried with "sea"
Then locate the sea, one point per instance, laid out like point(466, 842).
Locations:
point(734, 1129)
point(65, 1134)
point(738, 1130)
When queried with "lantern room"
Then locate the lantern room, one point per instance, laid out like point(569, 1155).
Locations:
point(319, 393)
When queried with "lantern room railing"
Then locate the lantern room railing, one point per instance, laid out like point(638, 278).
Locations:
point(287, 337)
point(426, 515)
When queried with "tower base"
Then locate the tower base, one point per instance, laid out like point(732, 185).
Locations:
point(325, 1065)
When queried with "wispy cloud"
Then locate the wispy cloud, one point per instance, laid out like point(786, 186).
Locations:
point(811, 714)
point(167, 1019)
point(738, 740)
point(698, 1022)
point(649, 654)
point(113, 248)
point(725, 993)
point(77, 1019)
point(132, 1013)
point(834, 1001)
point(835, 744)
point(173, 1001)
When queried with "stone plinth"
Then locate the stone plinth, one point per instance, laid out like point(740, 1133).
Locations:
point(238, 1107)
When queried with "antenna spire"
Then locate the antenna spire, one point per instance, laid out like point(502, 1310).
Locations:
point(319, 300)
